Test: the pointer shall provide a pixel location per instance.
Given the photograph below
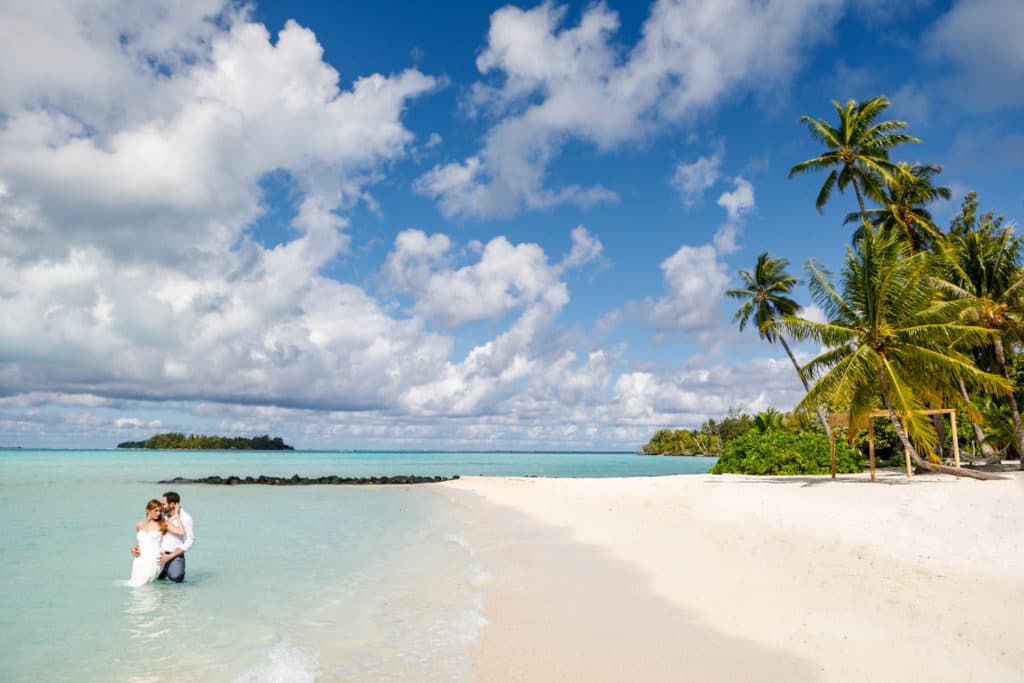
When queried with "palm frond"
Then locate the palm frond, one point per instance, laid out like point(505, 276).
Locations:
point(887, 142)
point(907, 406)
point(816, 164)
point(826, 191)
point(858, 147)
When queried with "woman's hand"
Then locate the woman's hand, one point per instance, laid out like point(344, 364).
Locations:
point(175, 526)
point(135, 550)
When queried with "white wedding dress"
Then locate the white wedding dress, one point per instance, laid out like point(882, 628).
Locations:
point(144, 567)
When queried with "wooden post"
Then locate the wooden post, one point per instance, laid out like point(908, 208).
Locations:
point(956, 444)
point(832, 450)
point(871, 447)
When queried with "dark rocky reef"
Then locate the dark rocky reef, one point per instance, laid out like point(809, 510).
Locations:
point(296, 480)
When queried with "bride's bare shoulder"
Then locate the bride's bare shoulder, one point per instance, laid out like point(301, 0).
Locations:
point(139, 525)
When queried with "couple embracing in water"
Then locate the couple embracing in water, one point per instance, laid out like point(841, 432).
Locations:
point(164, 536)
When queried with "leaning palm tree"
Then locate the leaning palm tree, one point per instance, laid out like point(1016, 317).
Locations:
point(858, 150)
point(982, 268)
point(889, 338)
point(765, 297)
point(903, 199)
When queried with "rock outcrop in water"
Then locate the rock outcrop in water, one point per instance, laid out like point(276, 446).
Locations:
point(296, 480)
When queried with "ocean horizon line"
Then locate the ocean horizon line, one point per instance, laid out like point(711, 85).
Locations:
point(346, 450)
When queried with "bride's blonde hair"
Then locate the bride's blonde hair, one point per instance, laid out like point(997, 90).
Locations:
point(153, 505)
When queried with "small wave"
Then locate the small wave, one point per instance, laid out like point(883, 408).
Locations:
point(458, 540)
point(478, 576)
point(286, 665)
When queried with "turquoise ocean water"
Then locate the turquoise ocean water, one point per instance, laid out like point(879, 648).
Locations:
point(283, 584)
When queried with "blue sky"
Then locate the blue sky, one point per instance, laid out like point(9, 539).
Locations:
point(466, 225)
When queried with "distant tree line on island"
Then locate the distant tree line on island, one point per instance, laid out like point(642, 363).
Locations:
point(202, 442)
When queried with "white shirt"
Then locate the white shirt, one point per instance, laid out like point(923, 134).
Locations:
point(172, 541)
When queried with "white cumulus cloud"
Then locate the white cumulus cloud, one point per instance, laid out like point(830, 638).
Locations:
point(695, 276)
point(126, 261)
point(585, 248)
point(737, 205)
point(505, 277)
point(692, 179)
point(134, 141)
point(552, 83)
point(738, 202)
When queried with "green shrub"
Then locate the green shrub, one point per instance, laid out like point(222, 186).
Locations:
point(779, 453)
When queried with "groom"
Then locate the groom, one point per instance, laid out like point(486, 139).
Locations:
point(173, 546)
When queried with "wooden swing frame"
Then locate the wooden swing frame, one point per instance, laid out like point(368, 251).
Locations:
point(843, 420)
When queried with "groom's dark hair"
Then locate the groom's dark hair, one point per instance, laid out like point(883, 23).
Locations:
point(172, 497)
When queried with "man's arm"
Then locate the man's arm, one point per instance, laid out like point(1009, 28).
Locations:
point(190, 535)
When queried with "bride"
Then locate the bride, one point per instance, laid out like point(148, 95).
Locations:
point(150, 531)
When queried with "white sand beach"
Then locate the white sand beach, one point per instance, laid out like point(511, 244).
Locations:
point(732, 578)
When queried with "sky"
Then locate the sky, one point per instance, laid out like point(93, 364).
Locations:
point(454, 225)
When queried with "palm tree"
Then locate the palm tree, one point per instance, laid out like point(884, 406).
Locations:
point(999, 432)
point(981, 263)
point(766, 298)
point(771, 420)
point(890, 338)
point(858, 149)
point(903, 200)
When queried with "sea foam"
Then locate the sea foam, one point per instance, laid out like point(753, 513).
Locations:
point(285, 665)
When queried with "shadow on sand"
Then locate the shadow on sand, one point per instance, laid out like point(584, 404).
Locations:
point(886, 477)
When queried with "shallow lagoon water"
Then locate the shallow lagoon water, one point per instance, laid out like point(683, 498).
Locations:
point(284, 583)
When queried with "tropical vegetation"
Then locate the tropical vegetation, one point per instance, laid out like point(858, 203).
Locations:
point(903, 210)
point(981, 258)
point(888, 339)
point(771, 420)
point(782, 453)
point(177, 440)
point(919, 319)
point(715, 435)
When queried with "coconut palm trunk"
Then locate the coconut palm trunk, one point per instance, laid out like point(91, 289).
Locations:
point(1011, 398)
point(901, 433)
point(807, 387)
point(987, 451)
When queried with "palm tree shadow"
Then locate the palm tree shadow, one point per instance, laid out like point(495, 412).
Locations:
point(804, 481)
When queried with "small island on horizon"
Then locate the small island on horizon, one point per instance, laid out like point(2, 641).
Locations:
point(202, 442)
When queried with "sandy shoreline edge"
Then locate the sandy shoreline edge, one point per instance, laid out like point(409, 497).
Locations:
point(700, 577)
